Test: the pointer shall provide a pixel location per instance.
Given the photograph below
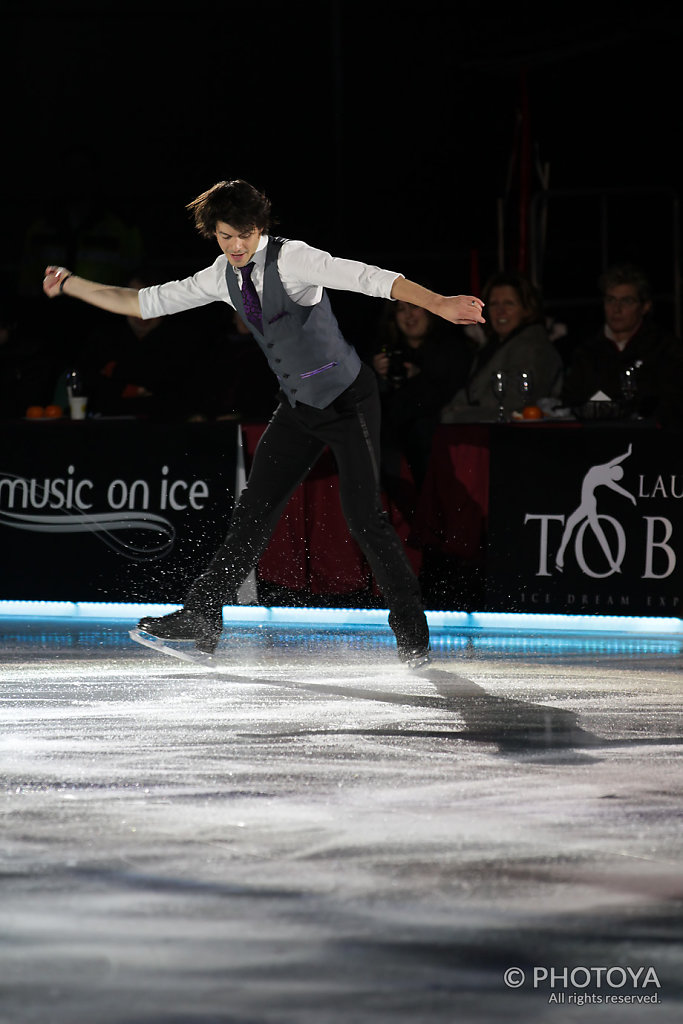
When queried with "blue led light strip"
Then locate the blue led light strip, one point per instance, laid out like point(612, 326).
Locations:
point(354, 616)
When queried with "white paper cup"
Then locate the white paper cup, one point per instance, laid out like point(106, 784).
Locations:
point(77, 407)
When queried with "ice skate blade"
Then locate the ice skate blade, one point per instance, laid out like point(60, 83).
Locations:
point(418, 660)
point(194, 656)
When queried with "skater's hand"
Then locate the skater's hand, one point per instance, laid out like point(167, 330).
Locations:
point(461, 309)
point(53, 279)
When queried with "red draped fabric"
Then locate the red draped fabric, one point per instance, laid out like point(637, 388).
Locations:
point(311, 547)
point(452, 514)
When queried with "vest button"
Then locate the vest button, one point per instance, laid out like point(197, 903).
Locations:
point(270, 344)
point(285, 375)
point(278, 360)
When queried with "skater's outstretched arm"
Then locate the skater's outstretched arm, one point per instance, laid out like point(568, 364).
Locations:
point(59, 280)
point(459, 309)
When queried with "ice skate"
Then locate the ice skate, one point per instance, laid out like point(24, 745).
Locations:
point(172, 634)
point(415, 657)
point(412, 639)
point(193, 655)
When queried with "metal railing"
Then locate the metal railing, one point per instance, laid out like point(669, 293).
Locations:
point(660, 215)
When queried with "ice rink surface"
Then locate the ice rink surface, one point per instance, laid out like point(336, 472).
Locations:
point(312, 833)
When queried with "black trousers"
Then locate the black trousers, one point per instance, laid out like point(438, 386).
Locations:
point(290, 445)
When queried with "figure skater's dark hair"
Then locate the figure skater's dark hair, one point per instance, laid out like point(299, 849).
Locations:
point(234, 202)
point(626, 273)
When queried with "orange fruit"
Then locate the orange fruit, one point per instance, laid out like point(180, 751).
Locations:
point(35, 412)
point(532, 412)
point(53, 412)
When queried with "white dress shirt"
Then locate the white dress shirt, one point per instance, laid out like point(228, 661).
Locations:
point(304, 272)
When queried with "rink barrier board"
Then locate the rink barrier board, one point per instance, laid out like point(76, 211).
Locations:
point(340, 617)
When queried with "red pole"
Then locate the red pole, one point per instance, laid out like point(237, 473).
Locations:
point(524, 176)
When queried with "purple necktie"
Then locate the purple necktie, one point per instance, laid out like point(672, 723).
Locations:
point(252, 304)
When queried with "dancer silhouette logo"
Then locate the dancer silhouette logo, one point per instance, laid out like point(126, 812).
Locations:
point(586, 515)
point(595, 528)
point(606, 529)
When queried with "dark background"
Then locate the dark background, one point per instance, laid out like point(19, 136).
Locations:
point(384, 132)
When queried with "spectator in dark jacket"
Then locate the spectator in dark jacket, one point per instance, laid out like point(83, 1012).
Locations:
point(632, 345)
point(419, 364)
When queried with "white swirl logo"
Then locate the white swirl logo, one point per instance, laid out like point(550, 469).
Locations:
point(514, 977)
point(105, 525)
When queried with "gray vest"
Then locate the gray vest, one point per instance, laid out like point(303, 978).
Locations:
point(303, 344)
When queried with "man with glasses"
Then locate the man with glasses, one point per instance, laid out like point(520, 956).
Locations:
point(631, 358)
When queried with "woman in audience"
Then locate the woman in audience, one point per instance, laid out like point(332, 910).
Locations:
point(516, 342)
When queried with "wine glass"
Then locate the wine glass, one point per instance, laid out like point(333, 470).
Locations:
point(525, 385)
point(628, 384)
point(499, 388)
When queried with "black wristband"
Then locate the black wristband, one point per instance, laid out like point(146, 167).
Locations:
point(63, 282)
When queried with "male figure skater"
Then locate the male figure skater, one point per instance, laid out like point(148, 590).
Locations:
point(327, 397)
